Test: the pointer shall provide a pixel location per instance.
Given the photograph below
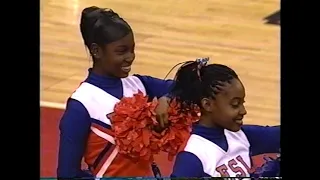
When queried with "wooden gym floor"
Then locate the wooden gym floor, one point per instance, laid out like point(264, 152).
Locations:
point(231, 32)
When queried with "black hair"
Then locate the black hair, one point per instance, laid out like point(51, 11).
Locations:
point(102, 26)
point(194, 82)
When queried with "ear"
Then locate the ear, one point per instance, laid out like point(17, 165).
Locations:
point(96, 51)
point(208, 104)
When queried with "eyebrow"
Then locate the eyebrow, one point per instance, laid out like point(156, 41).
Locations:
point(237, 98)
point(125, 46)
point(122, 46)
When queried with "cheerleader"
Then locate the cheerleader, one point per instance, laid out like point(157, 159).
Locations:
point(84, 127)
point(219, 145)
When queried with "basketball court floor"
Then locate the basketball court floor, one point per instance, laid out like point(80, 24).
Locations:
point(231, 32)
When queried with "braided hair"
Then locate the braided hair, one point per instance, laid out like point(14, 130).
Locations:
point(194, 81)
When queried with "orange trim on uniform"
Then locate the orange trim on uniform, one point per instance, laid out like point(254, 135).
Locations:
point(103, 160)
point(95, 146)
point(103, 129)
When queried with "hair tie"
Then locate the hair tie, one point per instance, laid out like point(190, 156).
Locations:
point(201, 63)
point(196, 64)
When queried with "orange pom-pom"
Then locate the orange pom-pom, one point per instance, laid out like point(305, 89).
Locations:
point(134, 121)
point(178, 131)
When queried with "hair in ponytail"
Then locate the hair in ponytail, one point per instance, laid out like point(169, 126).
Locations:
point(102, 26)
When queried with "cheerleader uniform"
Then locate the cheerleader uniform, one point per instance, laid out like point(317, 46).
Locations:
point(215, 152)
point(85, 130)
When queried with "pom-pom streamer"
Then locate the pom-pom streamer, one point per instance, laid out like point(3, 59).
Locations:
point(134, 124)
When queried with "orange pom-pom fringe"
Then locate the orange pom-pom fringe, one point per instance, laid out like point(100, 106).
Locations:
point(134, 123)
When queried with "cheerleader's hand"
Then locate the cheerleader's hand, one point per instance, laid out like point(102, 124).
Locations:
point(162, 111)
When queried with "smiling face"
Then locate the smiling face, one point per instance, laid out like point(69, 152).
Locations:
point(115, 59)
point(227, 108)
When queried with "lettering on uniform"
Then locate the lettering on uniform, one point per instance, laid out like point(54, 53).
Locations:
point(233, 165)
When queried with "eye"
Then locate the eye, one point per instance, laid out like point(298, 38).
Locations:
point(121, 51)
point(237, 104)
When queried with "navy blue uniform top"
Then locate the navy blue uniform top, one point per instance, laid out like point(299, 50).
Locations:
point(75, 123)
point(262, 139)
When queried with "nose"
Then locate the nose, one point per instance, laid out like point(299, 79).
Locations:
point(243, 111)
point(130, 57)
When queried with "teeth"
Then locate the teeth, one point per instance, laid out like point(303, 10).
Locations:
point(127, 68)
point(239, 121)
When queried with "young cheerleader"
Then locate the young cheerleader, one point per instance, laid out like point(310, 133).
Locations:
point(84, 127)
point(219, 145)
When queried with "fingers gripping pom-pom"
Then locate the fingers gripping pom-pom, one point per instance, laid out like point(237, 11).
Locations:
point(134, 121)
